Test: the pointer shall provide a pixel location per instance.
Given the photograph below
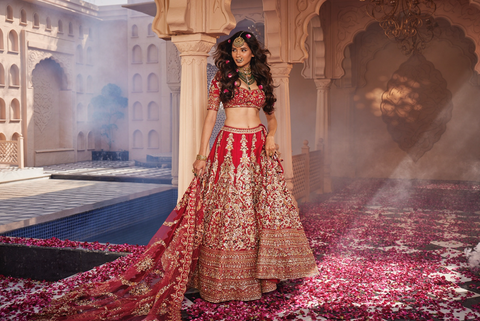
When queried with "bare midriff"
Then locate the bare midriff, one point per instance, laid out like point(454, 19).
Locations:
point(242, 117)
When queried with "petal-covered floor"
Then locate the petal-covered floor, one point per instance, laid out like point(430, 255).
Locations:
point(386, 250)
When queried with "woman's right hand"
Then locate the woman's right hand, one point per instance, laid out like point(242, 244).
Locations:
point(199, 167)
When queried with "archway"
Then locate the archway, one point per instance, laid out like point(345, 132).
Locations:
point(52, 115)
point(395, 112)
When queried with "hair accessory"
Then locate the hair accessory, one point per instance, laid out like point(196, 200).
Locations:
point(229, 75)
point(225, 90)
point(229, 40)
point(227, 61)
point(248, 35)
point(260, 87)
point(239, 41)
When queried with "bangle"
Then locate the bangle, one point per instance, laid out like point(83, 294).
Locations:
point(201, 157)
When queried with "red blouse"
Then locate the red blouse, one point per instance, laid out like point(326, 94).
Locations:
point(243, 97)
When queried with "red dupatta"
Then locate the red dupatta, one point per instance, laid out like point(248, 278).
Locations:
point(153, 287)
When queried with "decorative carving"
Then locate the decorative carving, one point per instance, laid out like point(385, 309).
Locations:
point(194, 45)
point(255, 17)
point(42, 98)
point(212, 17)
point(65, 61)
point(219, 20)
point(159, 24)
point(350, 21)
point(196, 60)
point(368, 43)
point(178, 16)
point(174, 68)
point(273, 35)
point(455, 36)
point(281, 70)
point(457, 12)
point(373, 40)
point(466, 15)
point(417, 106)
point(306, 9)
point(323, 84)
point(314, 65)
point(9, 152)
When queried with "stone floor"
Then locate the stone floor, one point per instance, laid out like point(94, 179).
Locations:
point(107, 168)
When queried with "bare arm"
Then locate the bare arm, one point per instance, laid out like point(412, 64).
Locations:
point(208, 125)
point(270, 146)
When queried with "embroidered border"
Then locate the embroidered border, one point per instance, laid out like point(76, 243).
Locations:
point(243, 130)
point(229, 275)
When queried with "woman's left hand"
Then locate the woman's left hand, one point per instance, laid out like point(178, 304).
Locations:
point(270, 147)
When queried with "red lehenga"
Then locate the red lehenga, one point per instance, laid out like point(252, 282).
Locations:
point(234, 234)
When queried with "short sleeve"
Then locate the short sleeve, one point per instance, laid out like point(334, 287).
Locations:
point(214, 95)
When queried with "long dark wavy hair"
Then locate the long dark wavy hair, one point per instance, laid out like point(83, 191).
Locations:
point(228, 75)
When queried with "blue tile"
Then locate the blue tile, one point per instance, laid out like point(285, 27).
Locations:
point(111, 223)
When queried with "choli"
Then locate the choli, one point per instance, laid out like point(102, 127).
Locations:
point(243, 98)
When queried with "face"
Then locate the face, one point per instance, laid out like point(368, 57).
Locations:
point(242, 55)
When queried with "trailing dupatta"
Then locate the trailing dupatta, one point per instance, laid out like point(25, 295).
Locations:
point(153, 287)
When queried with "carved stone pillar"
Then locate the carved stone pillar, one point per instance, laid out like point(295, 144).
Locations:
point(322, 128)
point(173, 80)
point(194, 50)
point(283, 136)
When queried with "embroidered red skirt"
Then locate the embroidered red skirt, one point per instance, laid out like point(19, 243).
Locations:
point(234, 233)
point(252, 231)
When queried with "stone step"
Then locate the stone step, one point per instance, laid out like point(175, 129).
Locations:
point(12, 174)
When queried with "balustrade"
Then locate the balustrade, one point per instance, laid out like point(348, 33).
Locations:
point(307, 173)
point(11, 152)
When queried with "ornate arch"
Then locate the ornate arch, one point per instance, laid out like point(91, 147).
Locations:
point(307, 10)
point(255, 17)
point(467, 17)
point(278, 35)
point(350, 21)
point(314, 64)
point(36, 56)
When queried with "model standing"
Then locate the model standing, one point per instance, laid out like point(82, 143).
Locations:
point(235, 233)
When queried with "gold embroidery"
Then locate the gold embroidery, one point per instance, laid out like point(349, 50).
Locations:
point(243, 130)
point(142, 308)
point(146, 264)
point(140, 289)
point(125, 282)
point(170, 224)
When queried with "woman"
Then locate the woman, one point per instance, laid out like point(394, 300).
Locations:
point(236, 231)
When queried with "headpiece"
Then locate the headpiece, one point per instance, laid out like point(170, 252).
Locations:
point(239, 41)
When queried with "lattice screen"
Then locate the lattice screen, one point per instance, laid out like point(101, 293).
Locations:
point(316, 170)
point(299, 176)
point(9, 152)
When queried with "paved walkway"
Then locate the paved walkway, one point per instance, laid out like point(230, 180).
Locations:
point(28, 202)
point(108, 168)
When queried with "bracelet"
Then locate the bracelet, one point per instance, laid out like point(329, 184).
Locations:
point(201, 157)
